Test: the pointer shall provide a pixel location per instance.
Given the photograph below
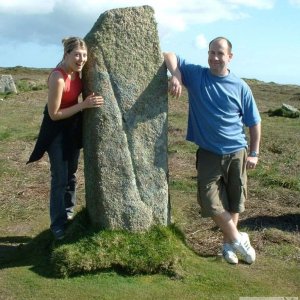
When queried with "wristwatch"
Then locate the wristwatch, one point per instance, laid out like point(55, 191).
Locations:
point(253, 154)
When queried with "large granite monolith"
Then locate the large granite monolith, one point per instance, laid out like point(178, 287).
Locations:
point(125, 141)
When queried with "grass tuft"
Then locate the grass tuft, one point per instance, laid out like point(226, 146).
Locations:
point(183, 185)
point(85, 251)
point(282, 112)
point(271, 178)
point(25, 85)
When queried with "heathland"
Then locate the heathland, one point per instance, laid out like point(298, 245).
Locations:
point(272, 216)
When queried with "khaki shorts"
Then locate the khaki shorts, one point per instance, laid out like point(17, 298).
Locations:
point(222, 182)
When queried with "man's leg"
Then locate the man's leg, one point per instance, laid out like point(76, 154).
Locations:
point(239, 241)
point(227, 224)
point(235, 220)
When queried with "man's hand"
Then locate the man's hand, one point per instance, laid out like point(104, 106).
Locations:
point(175, 87)
point(251, 162)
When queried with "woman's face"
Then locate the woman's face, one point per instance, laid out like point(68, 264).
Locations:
point(76, 59)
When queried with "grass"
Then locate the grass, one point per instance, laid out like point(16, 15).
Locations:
point(32, 266)
point(24, 85)
point(152, 252)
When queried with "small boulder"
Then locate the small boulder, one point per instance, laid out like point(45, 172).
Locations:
point(7, 84)
point(285, 110)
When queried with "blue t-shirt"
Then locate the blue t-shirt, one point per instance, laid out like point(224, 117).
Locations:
point(219, 107)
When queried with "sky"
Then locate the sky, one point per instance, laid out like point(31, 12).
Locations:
point(264, 33)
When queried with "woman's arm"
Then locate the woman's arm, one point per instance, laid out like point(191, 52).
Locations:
point(56, 86)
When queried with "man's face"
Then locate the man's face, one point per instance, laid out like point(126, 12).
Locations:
point(219, 57)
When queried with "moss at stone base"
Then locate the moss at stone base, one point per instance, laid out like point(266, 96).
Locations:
point(84, 251)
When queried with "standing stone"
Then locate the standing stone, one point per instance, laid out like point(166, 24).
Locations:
point(125, 141)
point(7, 84)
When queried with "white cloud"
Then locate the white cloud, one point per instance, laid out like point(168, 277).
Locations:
point(176, 15)
point(16, 7)
point(47, 21)
point(258, 4)
point(201, 42)
point(295, 2)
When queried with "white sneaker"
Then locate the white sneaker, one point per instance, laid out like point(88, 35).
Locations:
point(70, 216)
point(229, 254)
point(244, 247)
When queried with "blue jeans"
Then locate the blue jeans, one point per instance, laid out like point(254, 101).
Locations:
point(63, 183)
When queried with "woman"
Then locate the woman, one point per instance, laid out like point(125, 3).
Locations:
point(60, 133)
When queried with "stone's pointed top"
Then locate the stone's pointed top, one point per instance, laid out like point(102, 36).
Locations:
point(125, 39)
point(141, 9)
point(118, 18)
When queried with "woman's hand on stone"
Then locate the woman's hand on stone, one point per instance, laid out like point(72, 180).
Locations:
point(93, 101)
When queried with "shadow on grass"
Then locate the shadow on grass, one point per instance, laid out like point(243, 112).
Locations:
point(286, 222)
point(21, 251)
point(36, 253)
point(11, 247)
point(71, 256)
point(18, 251)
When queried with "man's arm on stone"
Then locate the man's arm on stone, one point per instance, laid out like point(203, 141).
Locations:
point(175, 84)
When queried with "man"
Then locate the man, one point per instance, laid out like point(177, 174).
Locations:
point(220, 105)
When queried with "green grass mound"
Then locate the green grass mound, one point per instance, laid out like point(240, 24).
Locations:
point(283, 112)
point(155, 251)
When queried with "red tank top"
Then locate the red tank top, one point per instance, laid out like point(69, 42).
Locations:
point(72, 90)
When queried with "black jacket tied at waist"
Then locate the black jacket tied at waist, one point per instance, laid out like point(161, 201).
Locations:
point(71, 128)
